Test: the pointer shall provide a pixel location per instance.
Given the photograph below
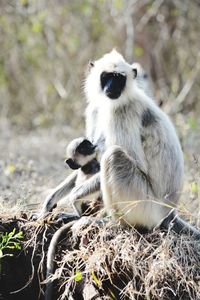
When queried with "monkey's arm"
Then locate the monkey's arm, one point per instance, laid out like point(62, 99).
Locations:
point(88, 187)
point(124, 184)
point(58, 193)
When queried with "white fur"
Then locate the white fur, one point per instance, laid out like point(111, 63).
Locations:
point(159, 157)
point(82, 160)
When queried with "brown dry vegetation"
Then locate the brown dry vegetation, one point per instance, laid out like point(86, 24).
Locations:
point(102, 260)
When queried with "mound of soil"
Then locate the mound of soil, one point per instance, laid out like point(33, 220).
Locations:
point(22, 274)
point(100, 260)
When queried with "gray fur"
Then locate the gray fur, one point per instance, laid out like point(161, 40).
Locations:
point(142, 80)
point(142, 161)
point(82, 176)
point(148, 118)
point(58, 193)
point(98, 138)
point(51, 256)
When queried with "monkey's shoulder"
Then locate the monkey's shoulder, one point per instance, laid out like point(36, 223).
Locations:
point(149, 118)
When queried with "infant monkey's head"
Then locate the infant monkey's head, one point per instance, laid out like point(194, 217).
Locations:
point(80, 152)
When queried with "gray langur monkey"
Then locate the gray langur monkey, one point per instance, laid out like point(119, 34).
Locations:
point(142, 80)
point(82, 156)
point(71, 181)
point(142, 162)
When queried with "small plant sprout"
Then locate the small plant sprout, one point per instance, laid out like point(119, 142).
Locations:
point(11, 240)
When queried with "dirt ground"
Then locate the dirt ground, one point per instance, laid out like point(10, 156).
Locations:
point(31, 163)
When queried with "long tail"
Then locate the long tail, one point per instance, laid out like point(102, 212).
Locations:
point(51, 255)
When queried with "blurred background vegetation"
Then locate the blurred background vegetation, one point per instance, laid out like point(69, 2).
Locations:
point(46, 45)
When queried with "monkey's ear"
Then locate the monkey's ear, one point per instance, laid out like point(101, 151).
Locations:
point(134, 72)
point(90, 66)
point(91, 63)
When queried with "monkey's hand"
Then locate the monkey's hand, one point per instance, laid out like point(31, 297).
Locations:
point(57, 194)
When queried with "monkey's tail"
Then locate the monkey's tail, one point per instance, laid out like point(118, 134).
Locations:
point(51, 255)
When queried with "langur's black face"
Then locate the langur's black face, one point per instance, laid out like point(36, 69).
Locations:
point(113, 84)
point(85, 148)
point(81, 154)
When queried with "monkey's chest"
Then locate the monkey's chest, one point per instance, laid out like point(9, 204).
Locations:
point(81, 178)
point(124, 133)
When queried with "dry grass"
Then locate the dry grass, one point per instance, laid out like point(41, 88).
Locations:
point(123, 264)
point(110, 261)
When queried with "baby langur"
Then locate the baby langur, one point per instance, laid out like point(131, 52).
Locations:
point(81, 155)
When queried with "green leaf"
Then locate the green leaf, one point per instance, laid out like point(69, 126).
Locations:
point(10, 247)
point(19, 235)
point(18, 246)
point(78, 276)
point(96, 280)
point(11, 234)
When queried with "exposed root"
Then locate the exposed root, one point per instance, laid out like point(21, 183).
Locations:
point(101, 260)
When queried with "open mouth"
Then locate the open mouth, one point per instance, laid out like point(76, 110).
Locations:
point(113, 84)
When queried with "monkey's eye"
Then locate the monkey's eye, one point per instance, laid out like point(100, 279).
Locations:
point(134, 72)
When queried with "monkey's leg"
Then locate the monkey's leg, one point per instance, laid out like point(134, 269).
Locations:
point(175, 223)
point(58, 193)
point(127, 190)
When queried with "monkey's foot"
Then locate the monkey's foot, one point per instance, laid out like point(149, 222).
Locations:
point(83, 221)
point(39, 216)
point(65, 217)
